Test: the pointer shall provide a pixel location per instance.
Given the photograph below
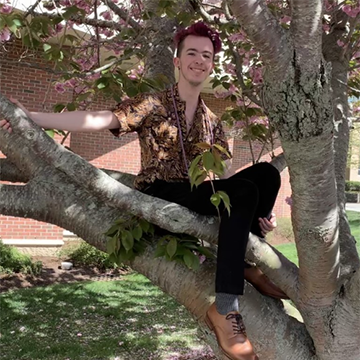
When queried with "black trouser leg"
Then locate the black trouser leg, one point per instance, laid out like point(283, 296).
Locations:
point(252, 195)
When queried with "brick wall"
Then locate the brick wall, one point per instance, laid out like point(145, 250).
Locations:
point(33, 88)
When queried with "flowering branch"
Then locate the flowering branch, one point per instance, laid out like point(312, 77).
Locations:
point(124, 15)
point(268, 36)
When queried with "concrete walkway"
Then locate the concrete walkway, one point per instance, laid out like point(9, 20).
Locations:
point(353, 207)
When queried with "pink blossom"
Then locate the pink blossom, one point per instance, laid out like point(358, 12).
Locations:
point(326, 27)
point(256, 76)
point(5, 35)
point(202, 258)
point(240, 102)
point(232, 89)
point(71, 83)
point(246, 62)
point(351, 11)
point(230, 68)
point(65, 3)
point(340, 43)
point(59, 27)
point(237, 37)
point(5, 9)
point(285, 19)
point(289, 200)
point(60, 88)
point(107, 15)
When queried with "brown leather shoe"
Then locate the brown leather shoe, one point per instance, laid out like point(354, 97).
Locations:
point(262, 283)
point(230, 333)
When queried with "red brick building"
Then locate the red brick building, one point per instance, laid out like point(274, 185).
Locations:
point(34, 88)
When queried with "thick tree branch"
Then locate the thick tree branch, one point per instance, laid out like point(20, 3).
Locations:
point(264, 31)
point(171, 217)
point(9, 172)
point(78, 19)
point(124, 15)
point(16, 201)
point(315, 222)
point(306, 28)
point(274, 264)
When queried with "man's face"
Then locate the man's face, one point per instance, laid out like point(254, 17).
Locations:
point(196, 59)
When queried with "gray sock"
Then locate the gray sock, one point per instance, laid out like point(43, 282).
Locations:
point(226, 302)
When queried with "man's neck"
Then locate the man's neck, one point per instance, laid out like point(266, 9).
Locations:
point(188, 93)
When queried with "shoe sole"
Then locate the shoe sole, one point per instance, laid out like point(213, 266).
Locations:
point(212, 328)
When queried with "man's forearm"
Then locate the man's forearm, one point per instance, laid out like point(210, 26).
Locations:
point(76, 120)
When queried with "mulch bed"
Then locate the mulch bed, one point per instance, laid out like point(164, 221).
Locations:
point(53, 274)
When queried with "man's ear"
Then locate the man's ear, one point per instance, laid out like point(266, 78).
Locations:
point(176, 62)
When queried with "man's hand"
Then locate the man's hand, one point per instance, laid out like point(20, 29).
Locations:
point(4, 124)
point(267, 225)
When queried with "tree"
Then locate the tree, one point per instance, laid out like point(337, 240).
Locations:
point(306, 50)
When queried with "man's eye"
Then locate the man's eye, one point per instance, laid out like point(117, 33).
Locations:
point(207, 56)
point(191, 53)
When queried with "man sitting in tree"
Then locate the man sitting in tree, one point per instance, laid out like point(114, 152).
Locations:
point(169, 125)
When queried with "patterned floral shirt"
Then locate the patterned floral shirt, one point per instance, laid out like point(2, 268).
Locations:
point(153, 117)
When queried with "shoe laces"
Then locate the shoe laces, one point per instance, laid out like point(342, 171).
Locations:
point(237, 323)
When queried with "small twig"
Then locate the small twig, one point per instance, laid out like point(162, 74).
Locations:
point(31, 10)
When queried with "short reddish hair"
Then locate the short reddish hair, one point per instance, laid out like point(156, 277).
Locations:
point(197, 29)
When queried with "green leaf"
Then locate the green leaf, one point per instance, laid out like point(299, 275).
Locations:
point(137, 232)
point(205, 251)
point(145, 225)
point(160, 251)
point(71, 11)
point(127, 239)
point(223, 150)
point(111, 245)
point(113, 230)
point(191, 261)
point(51, 133)
point(171, 247)
point(59, 108)
point(71, 106)
point(102, 83)
point(200, 179)
point(215, 199)
point(208, 160)
point(225, 198)
point(203, 145)
point(47, 47)
point(84, 96)
point(131, 91)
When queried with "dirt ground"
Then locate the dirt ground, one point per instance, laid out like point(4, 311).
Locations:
point(52, 273)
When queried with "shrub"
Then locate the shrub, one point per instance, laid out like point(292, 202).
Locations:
point(13, 261)
point(84, 254)
point(352, 186)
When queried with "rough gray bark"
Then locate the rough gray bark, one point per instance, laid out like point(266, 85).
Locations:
point(340, 66)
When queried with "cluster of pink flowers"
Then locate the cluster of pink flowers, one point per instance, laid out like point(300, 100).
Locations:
point(136, 72)
point(351, 11)
point(6, 8)
point(5, 35)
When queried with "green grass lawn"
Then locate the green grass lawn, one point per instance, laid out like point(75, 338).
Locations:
point(289, 250)
point(116, 320)
point(129, 319)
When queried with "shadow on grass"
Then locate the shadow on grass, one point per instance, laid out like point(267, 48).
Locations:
point(125, 319)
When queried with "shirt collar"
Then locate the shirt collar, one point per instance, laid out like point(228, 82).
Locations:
point(181, 104)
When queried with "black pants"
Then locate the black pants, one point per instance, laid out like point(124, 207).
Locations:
point(252, 195)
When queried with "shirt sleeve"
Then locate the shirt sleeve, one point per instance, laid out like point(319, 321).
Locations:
point(131, 113)
point(220, 138)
